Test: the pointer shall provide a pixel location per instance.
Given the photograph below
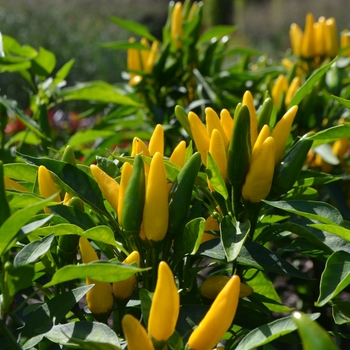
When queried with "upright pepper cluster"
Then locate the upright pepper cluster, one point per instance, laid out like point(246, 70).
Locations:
point(318, 40)
point(244, 148)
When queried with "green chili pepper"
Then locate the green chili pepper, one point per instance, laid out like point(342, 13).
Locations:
point(265, 113)
point(5, 208)
point(312, 335)
point(182, 117)
point(239, 153)
point(134, 198)
point(68, 156)
point(287, 171)
point(181, 193)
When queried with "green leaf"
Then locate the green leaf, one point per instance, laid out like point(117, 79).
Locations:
point(99, 91)
point(46, 315)
point(261, 258)
point(312, 335)
point(98, 271)
point(334, 229)
point(110, 167)
point(319, 211)
point(342, 101)
point(341, 311)
point(216, 32)
point(134, 27)
point(233, 236)
point(86, 136)
point(335, 277)
point(59, 230)
point(326, 153)
point(14, 223)
point(31, 252)
point(20, 277)
point(73, 215)
point(19, 200)
point(189, 239)
point(146, 302)
point(330, 134)
point(264, 290)
point(269, 332)
point(11, 105)
point(124, 45)
point(77, 180)
point(85, 335)
point(64, 71)
point(215, 177)
point(309, 84)
point(11, 46)
point(101, 234)
point(44, 63)
point(313, 178)
point(21, 171)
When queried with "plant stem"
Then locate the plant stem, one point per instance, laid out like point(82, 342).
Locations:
point(9, 336)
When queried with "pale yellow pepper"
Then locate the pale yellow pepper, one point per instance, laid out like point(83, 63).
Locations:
point(165, 306)
point(156, 212)
point(47, 186)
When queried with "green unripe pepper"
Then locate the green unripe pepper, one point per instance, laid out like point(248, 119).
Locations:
point(68, 156)
point(134, 198)
point(181, 193)
point(265, 113)
point(288, 170)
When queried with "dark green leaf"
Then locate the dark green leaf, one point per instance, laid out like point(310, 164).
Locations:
point(341, 311)
point(310, 83)
point(84, 335)
point(233, 236)
point(98, 271)
point(31, 252)
point(44, 317)
point(77, 180)
point(319, 211)
point(215, 177)
point(269, 332)
point(335, 277)
point(146, 302)
point(110, 167)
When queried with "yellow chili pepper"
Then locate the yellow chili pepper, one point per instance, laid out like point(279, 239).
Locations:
point(134, 64)
point(144, 53)
point(176, 31)
point(99, 298)
point(340, 147)
point(165, 305)
point(263, 135)
point(319, 35)
point(213, 122)
point(155, 212)
point(200, 136)
point(211, 224)
point(217, 149)
point(280, 87)
point(126, 172)
point(135, 334)
point(331, 38)
point(258, 181)
point(67, 198)
point(293, 87)
point(296, 38)
point(248, 100)
point(345, 42)
point(138, 146)
point(122, 290)
point(179, 154)
point(47, 186)
point(152, 57)
point(108, 186)
point(307, 45)
point(218, 319)
point(156, 142)
point(213, 285)
point(13, 185)
point(281, 132)
point(227, 122)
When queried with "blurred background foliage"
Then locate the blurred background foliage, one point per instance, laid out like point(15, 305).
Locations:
point(77, 28)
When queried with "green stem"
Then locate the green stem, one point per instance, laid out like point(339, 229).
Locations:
point(9, 336)
point(154, 262)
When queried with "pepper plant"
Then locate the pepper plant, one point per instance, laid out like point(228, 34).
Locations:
point(191, 242)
